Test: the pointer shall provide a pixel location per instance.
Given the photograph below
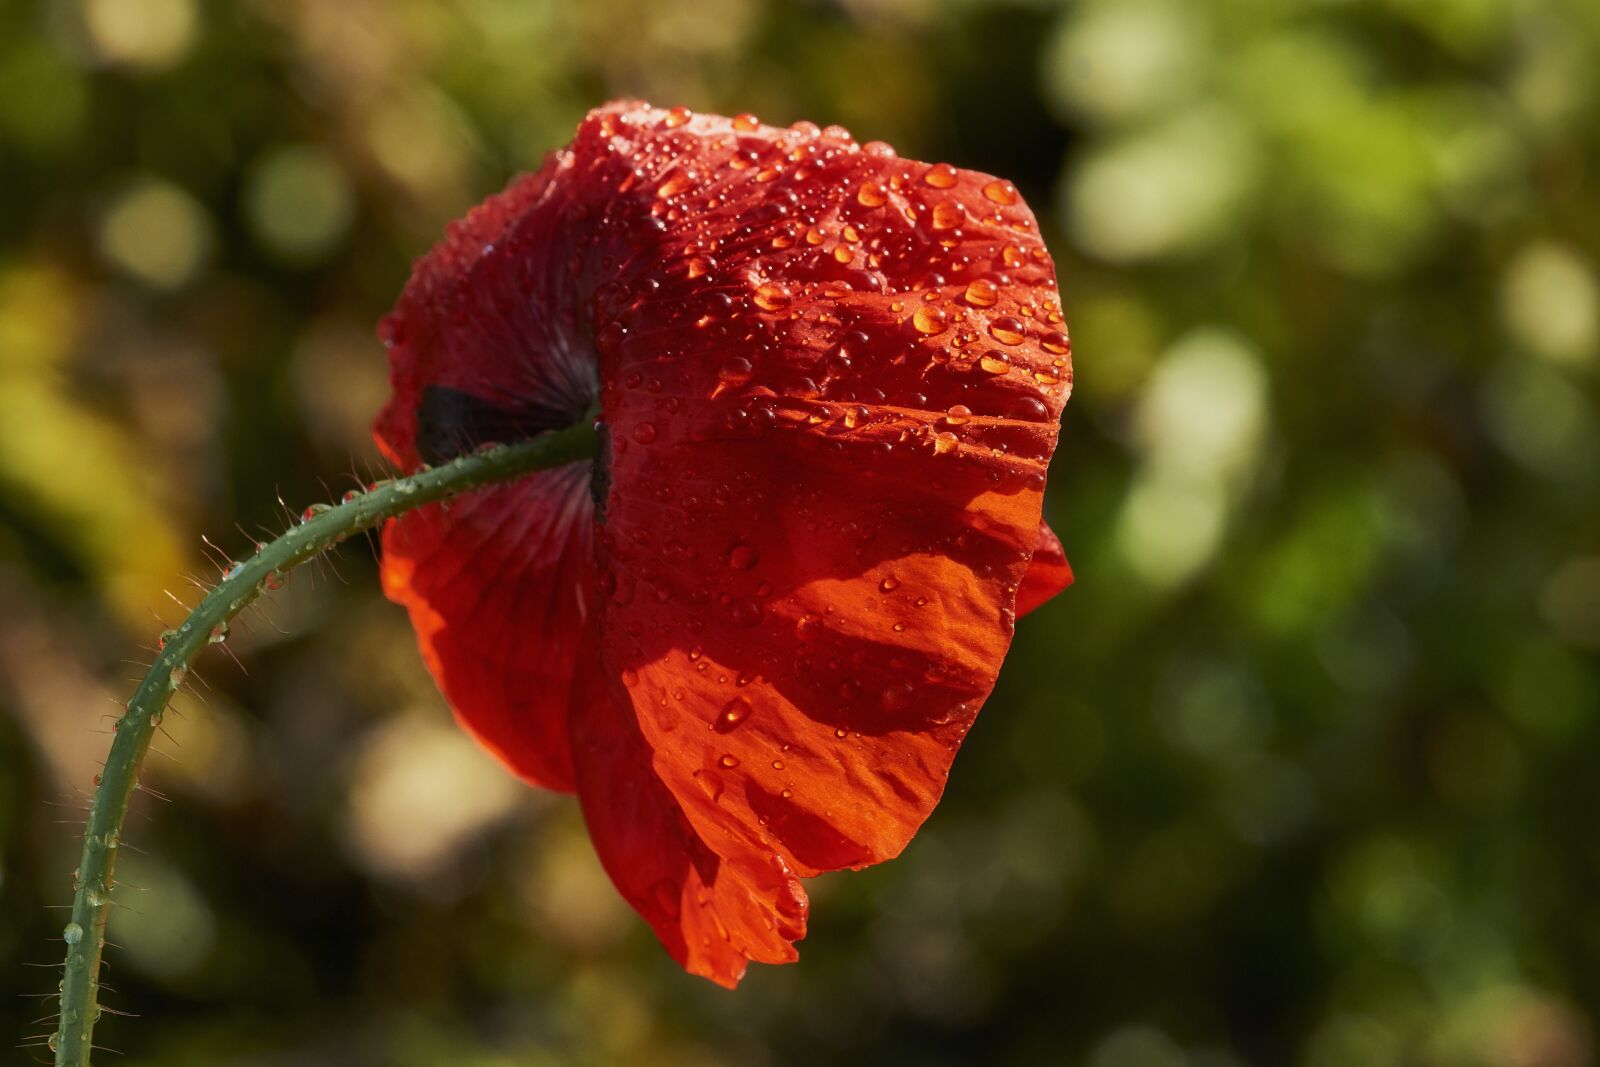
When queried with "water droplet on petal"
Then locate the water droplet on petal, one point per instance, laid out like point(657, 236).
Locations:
point(676, 183)
point(947, 216)
point(677, 117)
point(1000, 192)
point(897, 696)
point(872, 194)
point(930, 320)
point(771, 297)
point(742, 557)
point(1056, 343)
point(1029, 409)
point(945, 443)
point(710, 782)
point(940, 176)
point(733, 713)
point(669, 897)
point(994, 362)
point(1008, 330)
point(982, 293)
point(729, 760)
point(644, 433)
point(889, 584)
point(745, 122)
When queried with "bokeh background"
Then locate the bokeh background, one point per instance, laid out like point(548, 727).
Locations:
point(1302, 771)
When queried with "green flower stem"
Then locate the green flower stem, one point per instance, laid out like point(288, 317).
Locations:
point(243, 582)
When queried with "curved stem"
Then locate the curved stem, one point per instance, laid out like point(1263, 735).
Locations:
point(320, 528)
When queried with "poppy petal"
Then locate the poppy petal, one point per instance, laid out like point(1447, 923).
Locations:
point(712, 914)
point(477, 353)
point(1048, 572)
point(495, 582)
point(830, 421)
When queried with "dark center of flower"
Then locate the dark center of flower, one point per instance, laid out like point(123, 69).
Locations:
point(452, 422)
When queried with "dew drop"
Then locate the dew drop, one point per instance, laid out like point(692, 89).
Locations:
point(644, 433)
point(95, 895)
point(630, 677)
point(72, 933)
point(889, 584)
point(734, 712)
point(940, 176)
point(771, 297)
point(841, 733)
point(1056, 343)
point(676, 117)
point(982, 293)
point(745, 122)
point(736, 372)
point(897, 696)
point(958, 415)
point(742, 557)
point(1007, 330)
point(945, 443)
point(994, 362)
point(668, 897)
point(1012, 256)
point(872, 194)
point(808, 628)
point(700, 265)
point(729, 760)
point(777, 764)
point(930, 320)
point(710, 782)
point(1000, 192)
point(947, 216)
point(1029, 409)
point(676, 183)
point(815, 236)
point(842, 254)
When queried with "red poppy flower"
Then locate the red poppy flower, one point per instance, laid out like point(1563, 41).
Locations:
point(752, 634)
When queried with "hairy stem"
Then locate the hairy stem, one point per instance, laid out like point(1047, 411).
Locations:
point(320, 528)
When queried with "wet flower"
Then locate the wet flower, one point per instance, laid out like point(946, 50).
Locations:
point(753, 632)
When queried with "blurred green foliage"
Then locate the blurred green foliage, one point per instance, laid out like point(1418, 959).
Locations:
point(1300, 772)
